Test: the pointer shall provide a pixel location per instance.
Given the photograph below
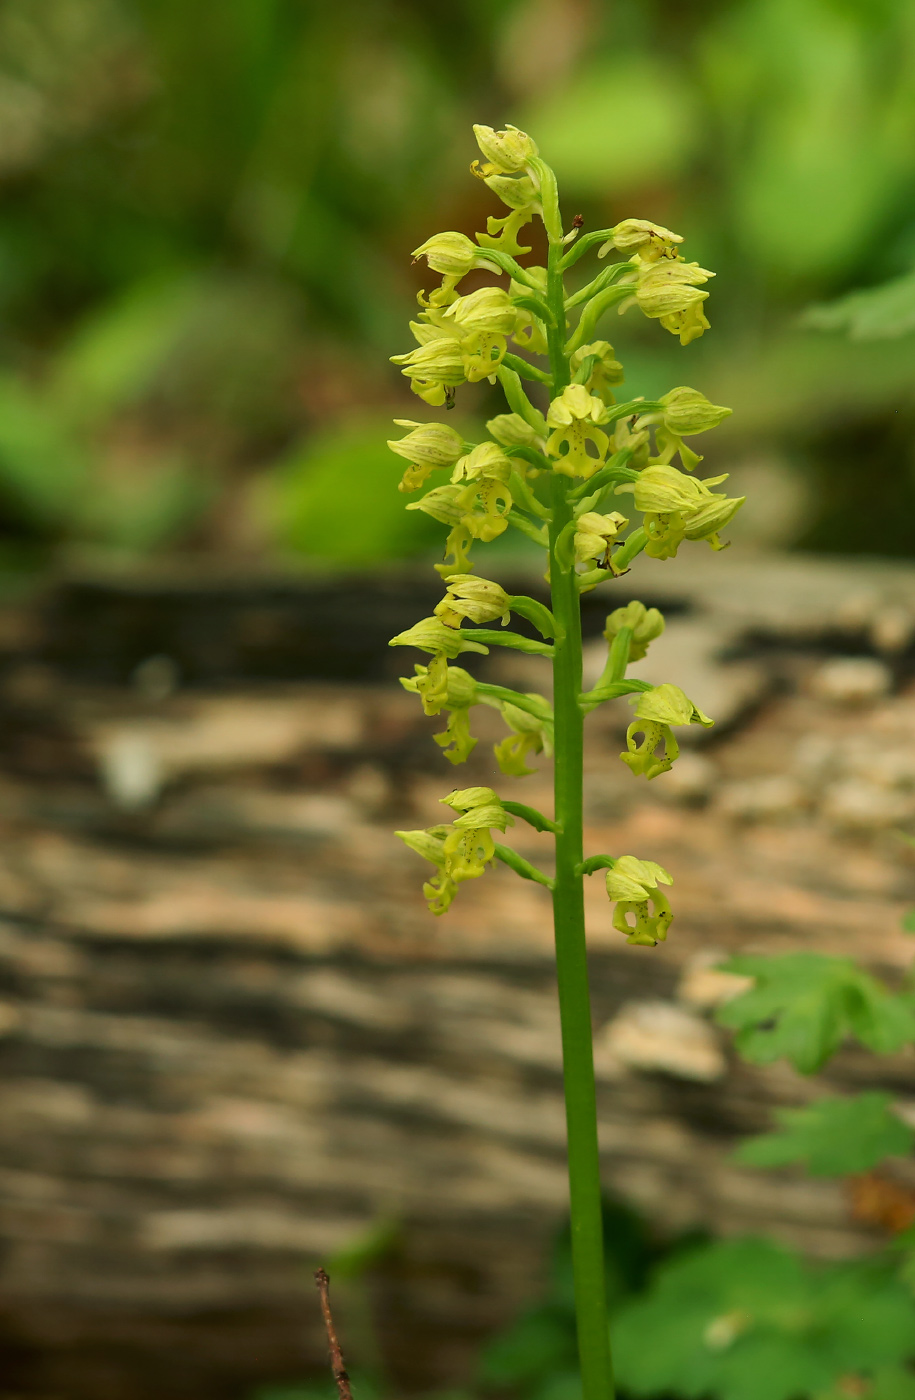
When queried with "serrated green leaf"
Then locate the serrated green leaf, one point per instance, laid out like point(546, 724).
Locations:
point(833, 1136)
point(803, 1005)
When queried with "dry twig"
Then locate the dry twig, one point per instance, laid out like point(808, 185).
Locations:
point(336, 1354)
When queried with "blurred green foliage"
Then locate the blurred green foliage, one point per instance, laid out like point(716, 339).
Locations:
point(205, 232)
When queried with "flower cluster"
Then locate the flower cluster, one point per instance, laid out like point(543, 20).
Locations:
point(570, 452)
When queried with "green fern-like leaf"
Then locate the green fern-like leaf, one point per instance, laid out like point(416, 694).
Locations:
point(833, 1136)
point(803, 1005)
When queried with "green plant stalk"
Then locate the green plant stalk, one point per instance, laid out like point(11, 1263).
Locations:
point(569, 921)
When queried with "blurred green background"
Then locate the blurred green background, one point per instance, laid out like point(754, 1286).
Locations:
point(206, 217)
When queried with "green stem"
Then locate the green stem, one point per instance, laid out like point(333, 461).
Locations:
point(569, 924)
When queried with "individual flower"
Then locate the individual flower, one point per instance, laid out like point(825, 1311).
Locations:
point(431, 634)
point(632, 884)
point(667, 289)
point(430, 844)
point(530, 734)
point(469, 846)
point(482, 321)
point(605, 368)
point(452, 254)
point(646, 625)
point(574, 417)
point(504, 152)
point(686, 412)
point(476, 599)
point(656, 710)
point(650, 241)
point(427, 446)
point(679, 507)
point(594, 536)
point(441, 686)
point(433, 367)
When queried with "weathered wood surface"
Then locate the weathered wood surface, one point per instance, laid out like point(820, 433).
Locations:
point(232, 1037)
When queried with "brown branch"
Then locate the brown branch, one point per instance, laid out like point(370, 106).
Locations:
point(336, 1355)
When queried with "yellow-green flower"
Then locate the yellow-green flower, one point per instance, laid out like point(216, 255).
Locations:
point(477, 599)
point(453, 254)
point(504, 152)
point(529, 735)
point(687, 411)
point(430, 844)
point(469, 846)
point(574, 417)
point(595, 534)
point(650, 241)
point(678, 507)
point(646, 624)
point(656, 710)
point(667, 289)
point(441, 686)
point(427, 446)
point(433, 367)
point(431, 634)
point(486, 462)
point(633, 885)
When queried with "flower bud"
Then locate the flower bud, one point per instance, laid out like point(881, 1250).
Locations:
point(489, 309)
point(510, 430)
point(686, 412)
point(474, 598)
point(505, 151)
point(431, 634)
point(453, 254)
point(646, 624)
point(429, 444)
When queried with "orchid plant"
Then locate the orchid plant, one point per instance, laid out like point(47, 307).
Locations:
point(552, 472)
